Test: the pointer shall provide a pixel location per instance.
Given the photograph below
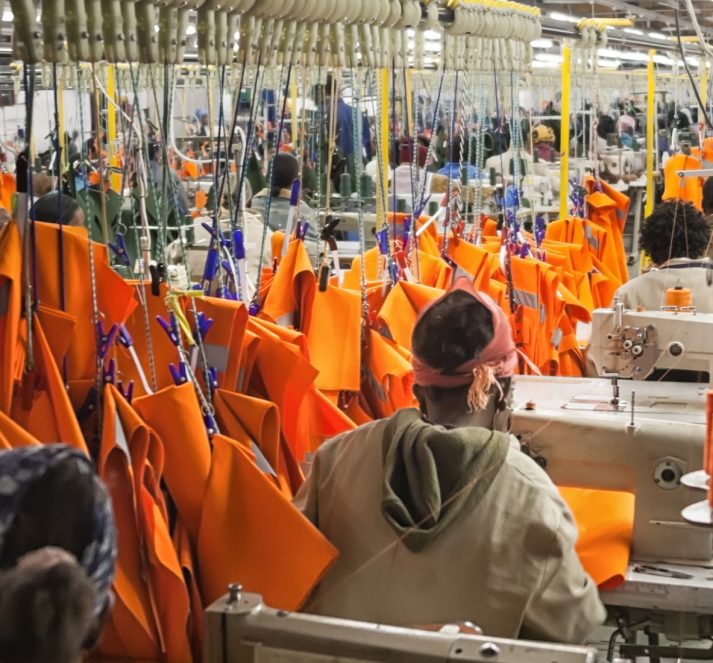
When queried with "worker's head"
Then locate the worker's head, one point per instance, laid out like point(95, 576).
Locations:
point(606, 126)
point(541, 133)
point(59, 208)
point(285, 170)
point(463, 359)
point(675, 229)
point(57, 552)
point(708, 196)
point(202, 116)
point(453, 149)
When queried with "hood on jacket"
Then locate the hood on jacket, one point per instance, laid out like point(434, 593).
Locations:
point(432, 474)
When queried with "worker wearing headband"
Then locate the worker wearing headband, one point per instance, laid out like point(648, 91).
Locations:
point(437, 514)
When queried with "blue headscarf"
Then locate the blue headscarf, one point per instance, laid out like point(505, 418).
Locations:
point(19, 468)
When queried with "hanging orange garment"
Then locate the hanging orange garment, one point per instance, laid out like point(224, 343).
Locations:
point(334, 339)
point(356, 410)
point(388, 379)
point(41, 403)
point(326, 419)
point(620, 216)
point(571, 360)
point(167, 586)
point(707, 152)
point(13, 436)
point(603, 283)
point(59, 329)
point(248, 355)
point(8, 188)
point(254, 423)
point(132, 631)
point(283, 375)
point(433, 271)
point(251, 533)
point(60, 272)
point(224, 340)
point(174, 413)
point(605, 522)
point(472, 259)
point(10, 309)
point(186, 558)
point(689, 189)
point(352, 277)
point(401, 308)
point(604, 212)
point(289, 300)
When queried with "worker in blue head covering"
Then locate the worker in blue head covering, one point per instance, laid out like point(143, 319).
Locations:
point(203, 120)
point(57, 554)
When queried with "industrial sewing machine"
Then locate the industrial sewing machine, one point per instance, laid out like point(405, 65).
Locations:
point(241, 629)
point(610, 433)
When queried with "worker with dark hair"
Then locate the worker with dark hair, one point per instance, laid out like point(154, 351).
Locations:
point(677, 238)
point(57, 555)
point(437, 514)
point(59, 208)
point(175, 190)
point(285, 170)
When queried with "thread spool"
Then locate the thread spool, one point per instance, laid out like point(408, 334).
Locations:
point(366, 186)
point(401, 205)
point(345, 185)
point(432, 208)
point(679, 297)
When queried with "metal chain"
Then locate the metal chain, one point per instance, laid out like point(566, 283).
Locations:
point(359, 167)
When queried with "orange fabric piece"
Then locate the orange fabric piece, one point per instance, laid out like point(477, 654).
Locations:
point(59, 328)
point(289, 300)
point(252, 532)
point(175, 415)
point(401, 308)
point(689, 189)
point(115, 297)
point(605, 521)
point(326, 419)
point(472, 259)
point(41, 404)
point(13, 436)
point(10, 309)
point(8, 188)
point(334, 339)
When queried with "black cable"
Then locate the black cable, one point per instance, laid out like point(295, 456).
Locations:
point(702, 106)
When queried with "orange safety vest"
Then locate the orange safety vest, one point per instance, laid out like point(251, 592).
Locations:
point(13, 436)
point(689, 189)
point(10, 310)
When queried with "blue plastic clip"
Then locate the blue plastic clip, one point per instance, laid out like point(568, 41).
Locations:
point(302, 230)
point(179, 373)
point(210, 424)
point(129, 393)
point(119, 250)
point(210, 269)
point(238, 244)
point(382, 238)
point(124, 337)
point(105, 339)
point(212, 378)
point(407, 230)
point(170, 329)
point(393, 272)
point(110, 372)
point(203, 325)
point(254, 307)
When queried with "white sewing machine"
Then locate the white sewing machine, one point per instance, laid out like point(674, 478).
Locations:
point(611, 433)
point(239, 628)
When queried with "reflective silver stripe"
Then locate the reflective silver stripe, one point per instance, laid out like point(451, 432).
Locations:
point(216, 356)
point(620, 214)
point(120, 435)
point(529, 299)
point(556, 337)
point(287, 320)
point(241, 379)
point(591, 239)
point(4, 298)
point(261, 461)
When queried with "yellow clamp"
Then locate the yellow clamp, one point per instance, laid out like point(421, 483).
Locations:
point(601, 24)
point(173, 305)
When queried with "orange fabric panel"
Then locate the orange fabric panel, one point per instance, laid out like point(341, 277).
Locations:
point(10, 308)
point(334, 339)
point(41, 404)
point(402, 307)
point(251, 532)
point(132, 631)
point(289, 300)
point(248, 356)
point(689, 189)
point(605, 521)
point(434, 271)
point(472, 259)
point(115, 297)
point(352, 277)
point(196, 627)
point(224, 340)
point(354, 409)
point(326, 419)
point(59, 328)
point(174, 413)
point(13, 436)
point(8, 188)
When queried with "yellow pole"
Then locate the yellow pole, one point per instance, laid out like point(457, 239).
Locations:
point(114, 178)
point(650, 133)
point(704, 87)
point(564, 135)
point(409, 103)
point(60, 127)
point(295, 117)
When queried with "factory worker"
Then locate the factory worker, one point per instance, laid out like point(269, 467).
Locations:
point(453, 156)
point(677, 238)
point(285, 170)
point(437, 514)
point(59, 208)
point(57, 555)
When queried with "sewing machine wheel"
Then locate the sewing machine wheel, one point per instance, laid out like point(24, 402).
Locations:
point(699, 513)
point(698, 480)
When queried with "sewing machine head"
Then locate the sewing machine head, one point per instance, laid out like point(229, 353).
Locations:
point(239, 627)
point(633, 344)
